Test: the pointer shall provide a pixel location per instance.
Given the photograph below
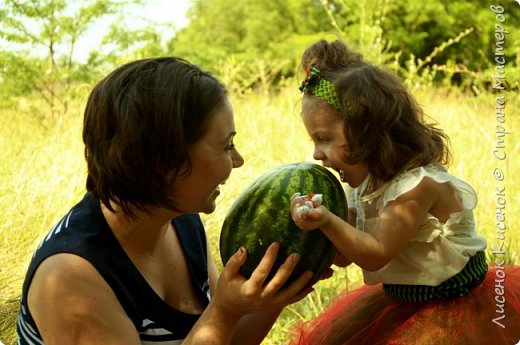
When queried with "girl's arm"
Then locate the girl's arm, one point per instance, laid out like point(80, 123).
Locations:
point(397, 224)
point(341, 260)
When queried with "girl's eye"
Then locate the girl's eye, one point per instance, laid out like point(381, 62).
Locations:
point(230, 147)
point(321, 139)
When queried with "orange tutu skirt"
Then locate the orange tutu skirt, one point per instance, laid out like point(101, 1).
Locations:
point(489, 314)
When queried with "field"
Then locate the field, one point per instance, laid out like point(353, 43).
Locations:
point(43, 172)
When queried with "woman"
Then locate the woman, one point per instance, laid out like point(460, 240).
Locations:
point(129, 264)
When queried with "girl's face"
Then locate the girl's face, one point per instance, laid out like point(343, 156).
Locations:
point(213, 157)
point(325, 127)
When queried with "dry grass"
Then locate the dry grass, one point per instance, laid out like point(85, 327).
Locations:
point(42, 175)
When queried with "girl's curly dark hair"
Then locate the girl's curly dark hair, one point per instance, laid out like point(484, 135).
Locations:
point(384, 126)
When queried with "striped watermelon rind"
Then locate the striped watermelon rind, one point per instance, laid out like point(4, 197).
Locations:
point(260, 216)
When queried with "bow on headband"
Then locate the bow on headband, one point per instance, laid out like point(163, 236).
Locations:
point(318, 86)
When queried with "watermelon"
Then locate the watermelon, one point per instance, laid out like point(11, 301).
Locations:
point(260, 216)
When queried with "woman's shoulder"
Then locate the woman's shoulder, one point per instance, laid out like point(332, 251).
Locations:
point(76, 293)
point(63, 273)
point(67, 282)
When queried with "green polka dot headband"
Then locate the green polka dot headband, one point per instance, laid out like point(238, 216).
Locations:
point(315, 85)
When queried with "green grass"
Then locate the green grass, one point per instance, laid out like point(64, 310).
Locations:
point(42, 175)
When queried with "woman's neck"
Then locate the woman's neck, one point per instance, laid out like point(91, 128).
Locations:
point(141, 235)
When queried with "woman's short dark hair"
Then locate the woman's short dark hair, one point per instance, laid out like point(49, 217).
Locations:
point(139, 123)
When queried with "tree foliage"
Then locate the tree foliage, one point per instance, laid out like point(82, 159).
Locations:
point(445, 39)
point(249, 29)
point(254, 43)
point(42, 37)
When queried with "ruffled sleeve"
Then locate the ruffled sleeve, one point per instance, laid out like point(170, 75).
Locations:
point(408, 180)
point(458, 224)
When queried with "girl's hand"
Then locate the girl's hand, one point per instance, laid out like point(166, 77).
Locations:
point(239, 296)
point(314, 218)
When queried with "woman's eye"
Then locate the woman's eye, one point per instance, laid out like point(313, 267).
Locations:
point(230, 147)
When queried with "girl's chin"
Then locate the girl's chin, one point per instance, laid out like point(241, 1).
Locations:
point(342, 175)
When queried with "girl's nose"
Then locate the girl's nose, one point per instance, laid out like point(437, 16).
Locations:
point(318, 154)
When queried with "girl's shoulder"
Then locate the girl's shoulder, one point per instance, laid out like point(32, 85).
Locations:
point(425, 177)
point(431, 175)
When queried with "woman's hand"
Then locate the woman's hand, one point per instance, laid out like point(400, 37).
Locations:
point(239, 296)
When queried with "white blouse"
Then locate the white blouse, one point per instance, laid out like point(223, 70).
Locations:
point(438, 250)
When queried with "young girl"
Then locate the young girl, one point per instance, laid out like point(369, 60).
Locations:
point(410, 223)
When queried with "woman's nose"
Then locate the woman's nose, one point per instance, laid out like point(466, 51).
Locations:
point(237, 158)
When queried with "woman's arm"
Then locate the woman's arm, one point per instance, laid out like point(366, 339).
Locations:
point(72, 304)
point(251, 329)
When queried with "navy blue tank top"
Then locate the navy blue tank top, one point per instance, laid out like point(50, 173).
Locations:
point(84, 232)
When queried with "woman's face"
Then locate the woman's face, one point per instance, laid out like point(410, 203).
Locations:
point(212, 158)
point(325, 127)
